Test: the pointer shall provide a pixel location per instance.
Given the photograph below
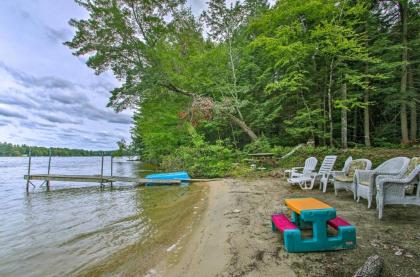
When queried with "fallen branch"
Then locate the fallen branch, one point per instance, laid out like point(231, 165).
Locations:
point(292, 151)
point(241, 191)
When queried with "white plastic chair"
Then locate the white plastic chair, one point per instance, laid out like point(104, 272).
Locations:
point(310, 164)
point(323, 175)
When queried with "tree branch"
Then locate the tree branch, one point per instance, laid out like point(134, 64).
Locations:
point(173, 88)
point(240, 123)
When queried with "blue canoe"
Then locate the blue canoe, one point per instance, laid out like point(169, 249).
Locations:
point(180, 175)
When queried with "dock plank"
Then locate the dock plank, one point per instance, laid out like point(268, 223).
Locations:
point(97, 179)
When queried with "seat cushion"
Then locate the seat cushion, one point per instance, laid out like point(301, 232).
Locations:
point(412, 165)
point(344, 178)
point(364, 183)
point(355, 165)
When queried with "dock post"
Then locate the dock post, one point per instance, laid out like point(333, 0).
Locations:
point(112, 161)
point(112, 166)
point(102, 168)
point(29, 170)
point(49, 167)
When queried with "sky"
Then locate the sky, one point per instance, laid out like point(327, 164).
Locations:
point(48, 97)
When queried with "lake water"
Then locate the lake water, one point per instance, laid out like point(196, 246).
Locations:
point(74, 226)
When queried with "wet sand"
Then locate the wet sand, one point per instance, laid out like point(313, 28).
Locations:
point(233, 236)
point(170, 214)
point(205, 251)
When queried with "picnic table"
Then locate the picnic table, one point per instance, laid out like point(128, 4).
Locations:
point(317, 215)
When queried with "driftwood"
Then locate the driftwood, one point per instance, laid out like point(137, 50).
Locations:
point(371, 268)
point(292, 151)
point(241, 191)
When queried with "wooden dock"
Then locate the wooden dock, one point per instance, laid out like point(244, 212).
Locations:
point(97, 179)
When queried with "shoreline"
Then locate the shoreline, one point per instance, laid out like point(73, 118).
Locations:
point(203, 238)
point(233, 235)
point(205, 252)
point(213, 248)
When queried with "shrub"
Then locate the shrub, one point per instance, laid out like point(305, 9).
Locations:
point(260, 145)
point(208, 160)
point(202, 159)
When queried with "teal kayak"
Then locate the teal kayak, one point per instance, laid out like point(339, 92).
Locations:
point(180, 175)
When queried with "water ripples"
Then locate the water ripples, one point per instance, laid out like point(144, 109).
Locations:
point(69, 228)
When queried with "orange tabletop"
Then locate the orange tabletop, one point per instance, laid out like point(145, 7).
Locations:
point(300, 204)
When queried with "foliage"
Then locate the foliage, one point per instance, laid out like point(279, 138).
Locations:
point(125, 149)
point(266, 75)
point(262, 145)
point(208, 161)
point(159, 128)
point(201, 159)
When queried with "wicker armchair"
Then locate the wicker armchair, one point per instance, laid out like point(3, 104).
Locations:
point(346, 180)
point(345, 168)
point(391, 190)
point(365, 179)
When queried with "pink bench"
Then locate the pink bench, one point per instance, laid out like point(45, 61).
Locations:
point(338, 222)
point(282, 223)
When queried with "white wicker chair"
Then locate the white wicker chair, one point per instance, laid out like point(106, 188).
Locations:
point(365, 179)
point(310, 164)
point(391, 190)
point(323, 175)
point(346, 180)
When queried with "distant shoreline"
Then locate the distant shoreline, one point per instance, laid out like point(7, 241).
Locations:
point(70, 156)
point(15, 150)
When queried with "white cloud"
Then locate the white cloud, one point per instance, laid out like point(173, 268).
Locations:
point(49, 97)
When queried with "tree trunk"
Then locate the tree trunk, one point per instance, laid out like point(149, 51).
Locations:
point(310, 118)
point(244, 127)
point(413, 122)
point(366, 118)
point(344, 117)
point(404, 125)
point(403, 6)
point(330, 104)
point(413, 109)
point(366, 126)
point(324, 110)
point(355, 126)
point(235, 92)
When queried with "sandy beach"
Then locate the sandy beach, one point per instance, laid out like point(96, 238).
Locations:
point(233, 236)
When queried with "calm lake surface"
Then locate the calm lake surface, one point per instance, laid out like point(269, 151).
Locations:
point(73, 226)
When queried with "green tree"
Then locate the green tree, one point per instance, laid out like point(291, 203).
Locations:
point(339, 73)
